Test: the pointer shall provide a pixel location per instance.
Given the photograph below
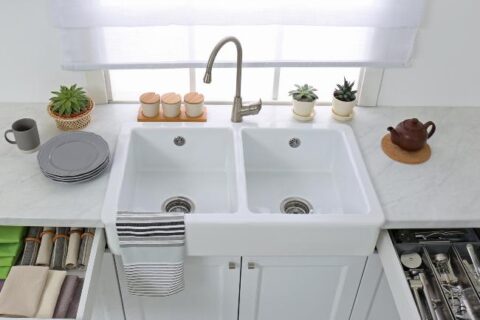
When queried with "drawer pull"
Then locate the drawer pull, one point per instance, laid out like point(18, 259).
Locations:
point(231, 265)
point(251, 265)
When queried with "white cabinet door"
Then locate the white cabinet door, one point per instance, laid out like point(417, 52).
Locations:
point(108, 302)
point(374, 299)
point(211, 293)
point(300, 288)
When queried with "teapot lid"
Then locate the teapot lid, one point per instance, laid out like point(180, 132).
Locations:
point(413, 124)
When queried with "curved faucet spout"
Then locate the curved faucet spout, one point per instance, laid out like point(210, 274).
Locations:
point(208, 72)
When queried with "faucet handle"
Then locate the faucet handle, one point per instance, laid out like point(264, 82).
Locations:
point(255, 105)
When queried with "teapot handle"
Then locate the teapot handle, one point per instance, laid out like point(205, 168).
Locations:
point(432, 131)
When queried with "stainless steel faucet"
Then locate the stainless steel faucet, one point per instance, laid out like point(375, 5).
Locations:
point(239, 110)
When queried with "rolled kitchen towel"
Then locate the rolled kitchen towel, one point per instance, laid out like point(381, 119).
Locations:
point(22, 291)
point(66, 296)
point(11, 234)
point(60, 247)
point(85, 247)
point(46, 245)
point(73, 307)
point(32, 243)
point(73, 247)
point(51, 293)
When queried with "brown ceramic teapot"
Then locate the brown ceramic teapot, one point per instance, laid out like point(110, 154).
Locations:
point(411, 134)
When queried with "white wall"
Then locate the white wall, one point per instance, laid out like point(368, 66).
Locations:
point(30, 53)
point(444, 72)
point(446, 67)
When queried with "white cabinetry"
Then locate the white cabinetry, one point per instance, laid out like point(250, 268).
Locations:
point(301, 288)
point(374, 299)
point(211, 293)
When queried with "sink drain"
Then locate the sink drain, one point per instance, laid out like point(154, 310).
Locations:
point(295, 205)
point(178, 204)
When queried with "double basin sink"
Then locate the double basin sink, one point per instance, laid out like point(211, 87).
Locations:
point(283, 189)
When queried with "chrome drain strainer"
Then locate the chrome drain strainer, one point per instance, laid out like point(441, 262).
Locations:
point(296, 205)
point(178, 204)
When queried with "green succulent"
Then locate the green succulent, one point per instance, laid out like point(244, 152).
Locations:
point(304, 93)
point(345, 92)
point(69, 101)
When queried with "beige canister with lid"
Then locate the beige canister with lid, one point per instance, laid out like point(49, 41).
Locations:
point(193, 104)
point(171, 104)
point(150, 104)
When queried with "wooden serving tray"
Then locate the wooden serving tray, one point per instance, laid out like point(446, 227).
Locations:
point(181, 118)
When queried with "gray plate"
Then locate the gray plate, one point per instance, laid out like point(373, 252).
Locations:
point(72, 154)
point(79, 180)
point(100, 168)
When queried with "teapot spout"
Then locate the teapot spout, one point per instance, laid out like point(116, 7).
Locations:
point(393, 132)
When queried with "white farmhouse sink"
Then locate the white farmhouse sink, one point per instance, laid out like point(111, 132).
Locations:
point(237, 176)
point(201, 168)
point(305, 165)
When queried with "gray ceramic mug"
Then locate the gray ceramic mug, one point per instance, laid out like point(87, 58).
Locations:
point(25, 133)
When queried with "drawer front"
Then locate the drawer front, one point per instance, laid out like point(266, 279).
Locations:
point(399, 286)
point(91, 278)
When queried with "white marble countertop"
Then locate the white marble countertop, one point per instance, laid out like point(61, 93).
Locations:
point(444, 192)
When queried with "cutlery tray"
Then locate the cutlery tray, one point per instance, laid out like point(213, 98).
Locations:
point(451, 286)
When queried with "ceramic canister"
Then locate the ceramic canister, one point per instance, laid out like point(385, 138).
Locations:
point(150, 104)
point(171, 104)
point(193, 104)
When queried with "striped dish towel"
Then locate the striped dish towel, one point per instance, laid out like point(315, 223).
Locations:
point(152, 247)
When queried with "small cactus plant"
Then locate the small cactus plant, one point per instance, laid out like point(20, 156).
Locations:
point(344, 92)
point(305, 93)
point(69, 101)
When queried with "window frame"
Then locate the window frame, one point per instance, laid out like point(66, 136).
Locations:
point(369, 85)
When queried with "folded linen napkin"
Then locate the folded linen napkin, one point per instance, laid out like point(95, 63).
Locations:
point(66, 296)
point(73, 307)
point(60, 247)
point(11, 234)
point(152, 248)
point(46, 245)
point(7, 261)
point(50, 293)
point(32, 243)
point(85, 248)
point(4, 272)
point(73, 247)
point(22, 291)
point(10, 249)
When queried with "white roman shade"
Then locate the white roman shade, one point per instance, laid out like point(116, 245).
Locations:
point(274, 33)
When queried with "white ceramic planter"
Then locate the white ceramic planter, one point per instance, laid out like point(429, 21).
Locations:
point(194, 110)
point(150, 109)
point(343, 108)
point(303, 108)
point(171, 110)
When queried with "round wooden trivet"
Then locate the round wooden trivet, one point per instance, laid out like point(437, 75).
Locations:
point(409, 157)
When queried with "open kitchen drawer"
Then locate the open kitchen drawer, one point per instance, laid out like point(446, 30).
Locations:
point(91, 278)
point(435, 264)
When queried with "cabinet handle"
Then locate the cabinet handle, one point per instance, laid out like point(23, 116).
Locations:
point(251, 265)
point(231, 265)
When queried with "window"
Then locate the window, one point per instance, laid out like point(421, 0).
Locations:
point(269, 84)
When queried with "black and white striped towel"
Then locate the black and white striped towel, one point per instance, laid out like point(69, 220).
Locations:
point(153, 248)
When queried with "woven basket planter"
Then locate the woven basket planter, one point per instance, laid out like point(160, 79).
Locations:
point(73, 123)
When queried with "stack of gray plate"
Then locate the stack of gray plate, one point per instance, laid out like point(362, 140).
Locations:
point(74, 157)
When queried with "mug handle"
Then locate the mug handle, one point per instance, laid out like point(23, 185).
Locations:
point(432, 131)
point(6, 138)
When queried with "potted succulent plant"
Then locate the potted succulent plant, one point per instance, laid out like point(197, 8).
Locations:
point(303, 100)
point(71, 108)
point(344, 99)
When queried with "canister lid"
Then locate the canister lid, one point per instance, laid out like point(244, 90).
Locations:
point(171, 98)
point(193, 98)
point(150, 97)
